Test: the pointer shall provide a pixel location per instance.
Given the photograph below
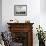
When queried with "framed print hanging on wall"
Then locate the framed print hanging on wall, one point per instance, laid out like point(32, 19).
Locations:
point(20, 10)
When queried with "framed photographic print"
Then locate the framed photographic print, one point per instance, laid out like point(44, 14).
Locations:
point(20, 10)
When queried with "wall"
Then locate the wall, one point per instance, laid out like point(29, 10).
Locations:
point(33, 10)
point(34, 14)
point(43, 14)
point(0, 15)
point(43, 6)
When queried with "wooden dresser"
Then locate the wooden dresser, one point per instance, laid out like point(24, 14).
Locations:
point(22, 33)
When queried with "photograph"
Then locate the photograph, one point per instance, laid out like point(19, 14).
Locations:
point(20, 10)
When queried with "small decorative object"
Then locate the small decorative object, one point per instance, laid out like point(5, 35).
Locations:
point(20, 10)
point(27, 21)
point(13, 21)
point(16, 21)
point(41, 36)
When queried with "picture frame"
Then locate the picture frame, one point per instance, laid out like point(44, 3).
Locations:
point(20, 10)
